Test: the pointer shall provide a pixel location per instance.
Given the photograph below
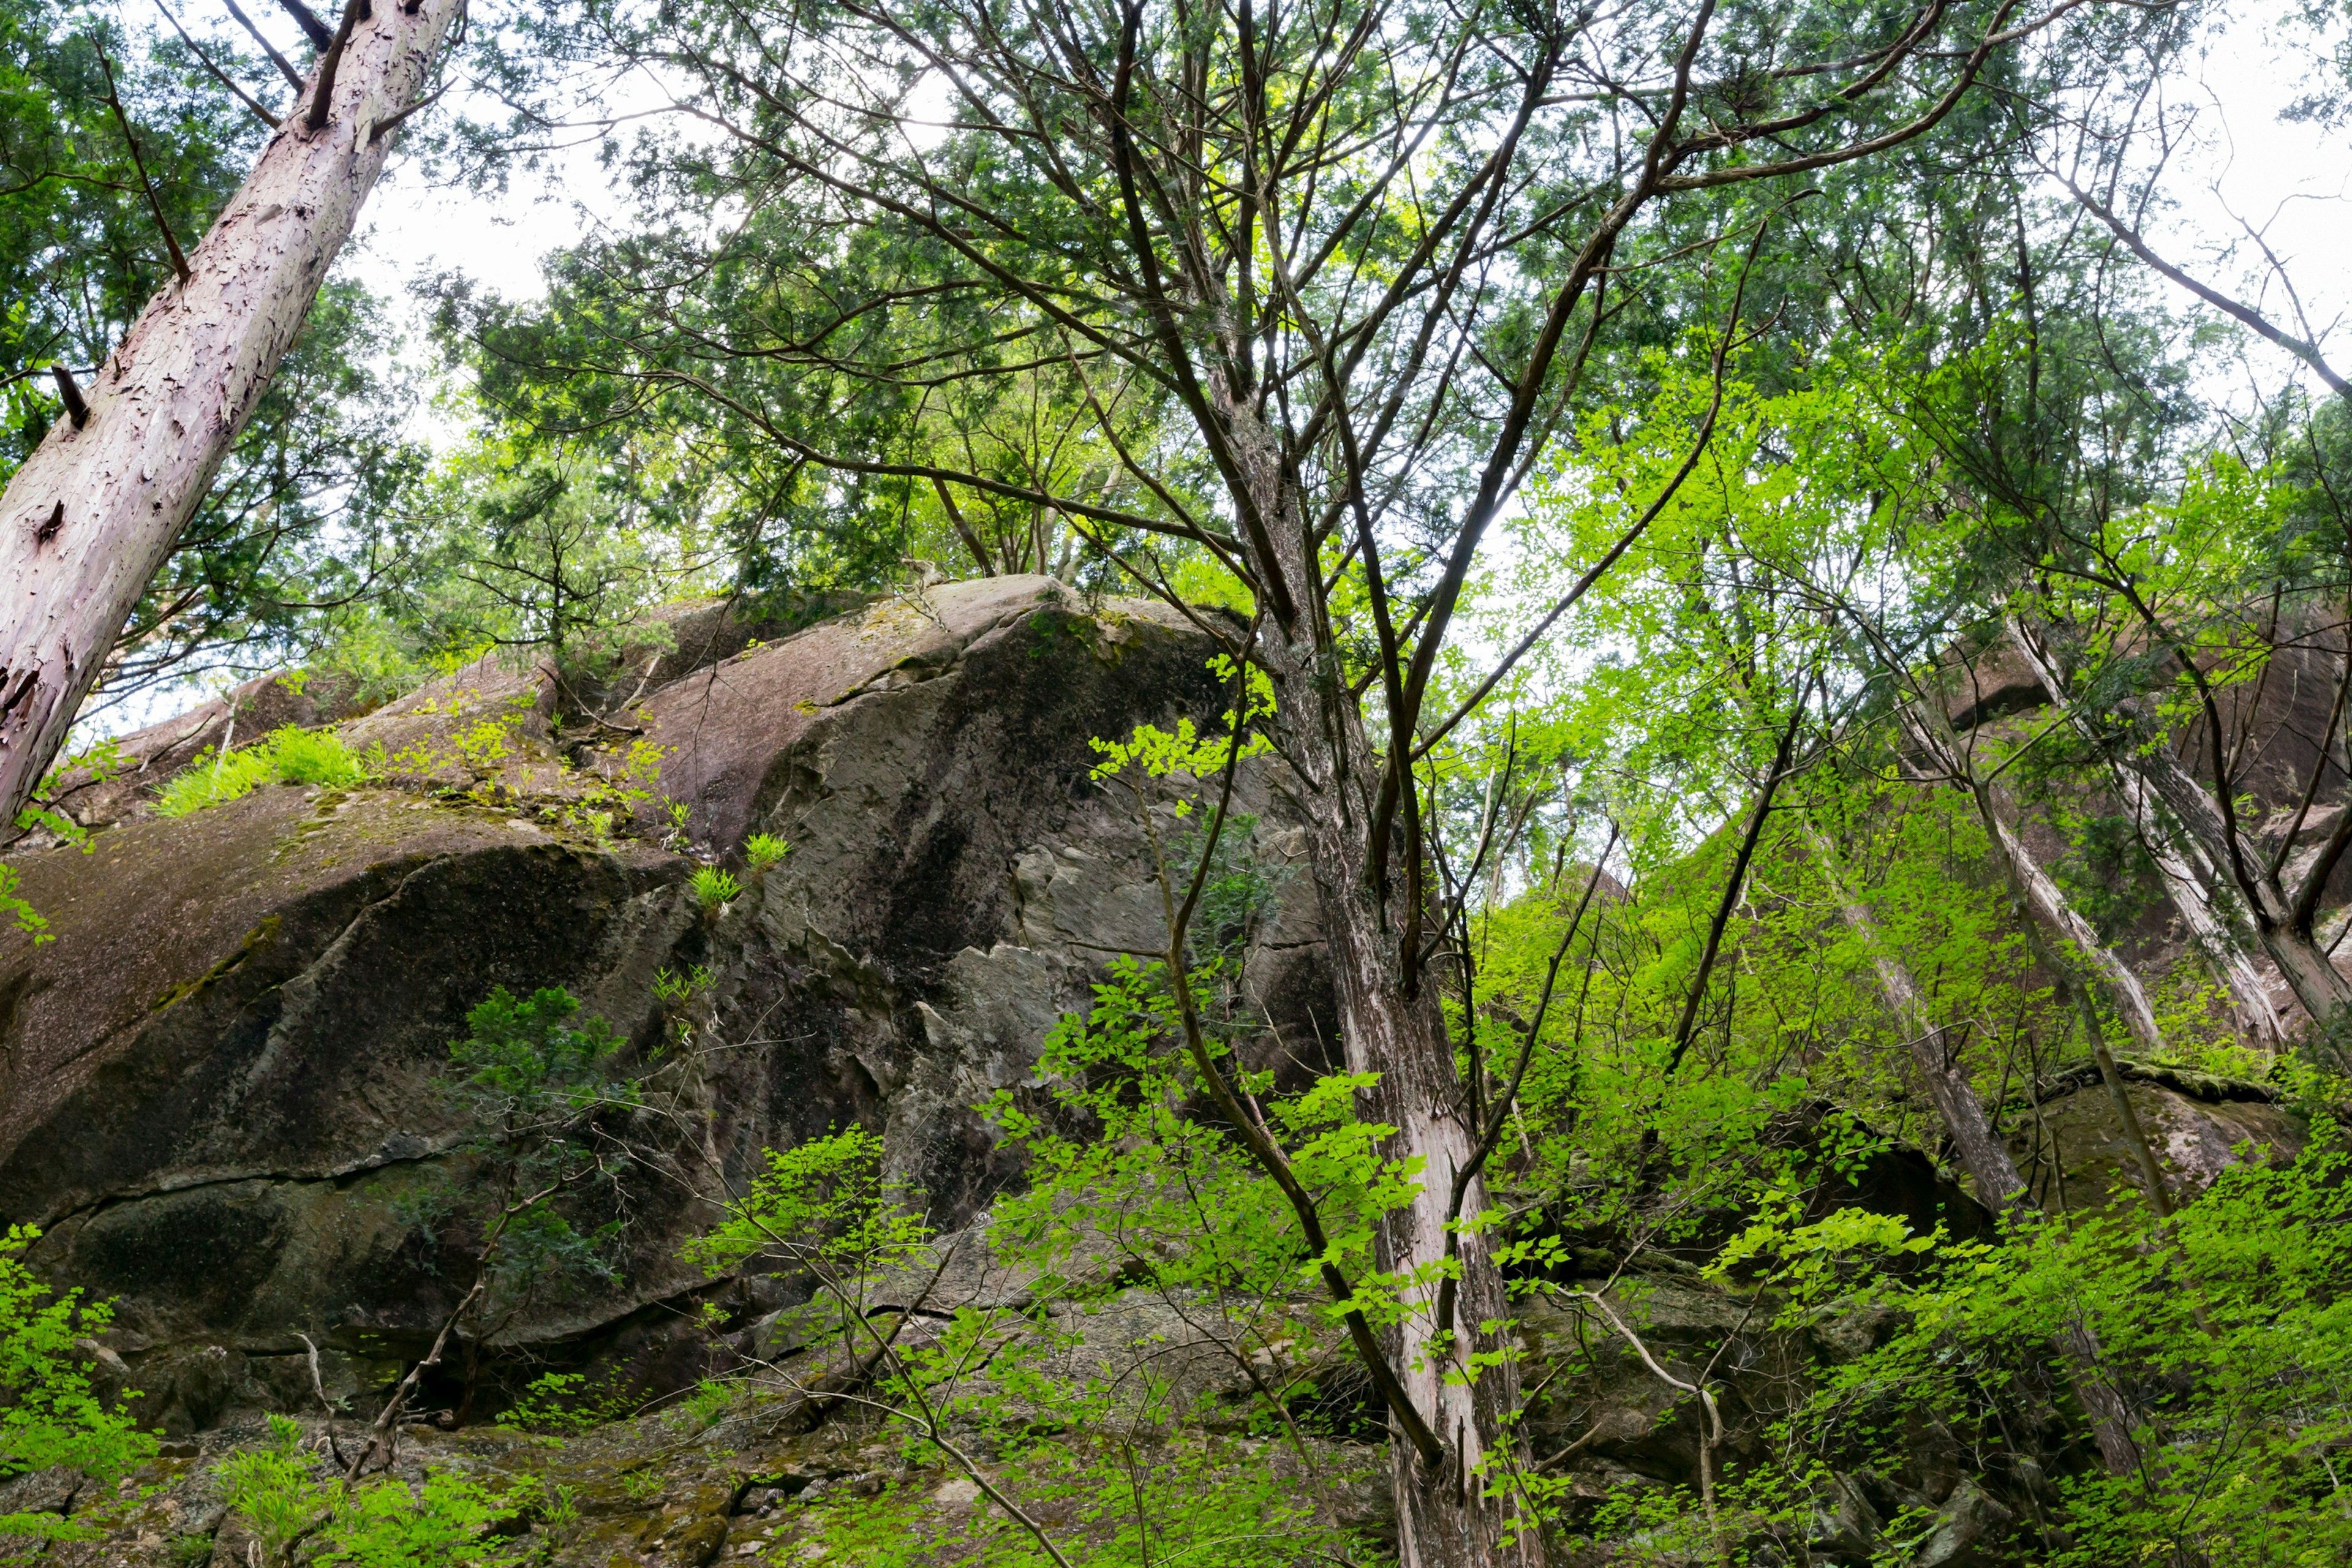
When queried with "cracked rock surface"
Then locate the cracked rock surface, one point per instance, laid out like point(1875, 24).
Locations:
point(215, 1082)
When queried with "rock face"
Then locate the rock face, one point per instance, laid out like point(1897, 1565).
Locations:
point(2069, 1143)
point(216, 1089)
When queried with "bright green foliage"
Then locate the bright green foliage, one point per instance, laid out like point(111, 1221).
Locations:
point(713, 885)
point(1815, 558)
point(618, 786)
point(1152, 752)
point(388, 1525)
point(764, 849)
point(823, 1205)
point(52, 1416)
point(2232, 1319)
point(592, 800)
point(289, 756)
point(827, 1207)
point(707, 1402)
point(294, 1508)
point(566, 1402)
point(95, 763)
point(275, 1487)
point(673, 990)
point(1191, 1500)
point(19, 908)
point(1116, 1152)
point(525, 1059)
point(524, 551)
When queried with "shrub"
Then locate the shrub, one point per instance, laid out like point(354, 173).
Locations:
point(567, 1402)
point(51, 1414)
point(707, 1402)
point(283, 1503)
point(284, 756)
point(381, 1523)
point(539, 1087)
point(764, 849)
point(714, 886)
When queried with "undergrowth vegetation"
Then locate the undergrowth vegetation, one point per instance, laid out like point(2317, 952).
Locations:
point(288, 757)
point(58, 1412)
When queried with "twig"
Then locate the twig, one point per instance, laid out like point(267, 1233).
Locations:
point(380, 1434)
point(114, 101)
point(1709, 1437)
point(70, 396)
point(308, 20)
point(323, 91)
point(219, 75)
point(385, 127)
point(285, 66)
point(1686, 1029)
point(327, 1406)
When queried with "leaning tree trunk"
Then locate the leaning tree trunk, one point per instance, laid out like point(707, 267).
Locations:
point(2061, 941)
point(1980, 1151)
point(1444, 1521)
point(2156, 788)
point(2306, 966)
point(93, 512)
point(2188, 881)
point(2079, 955)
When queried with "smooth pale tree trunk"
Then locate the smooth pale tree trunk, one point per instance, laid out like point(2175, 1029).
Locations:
point(2160, 796)
point(2061, 941)
point(2083, 958)
point(2302, 962)
point(1980, 1148)
point(1443, 1520)
point(2212, 920)
point(2187, 877)
point(93, 512)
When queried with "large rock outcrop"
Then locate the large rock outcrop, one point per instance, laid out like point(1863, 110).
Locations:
point(215, 1095)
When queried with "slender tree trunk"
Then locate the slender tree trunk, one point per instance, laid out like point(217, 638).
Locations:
point(1980, 1148)
point(2043, 907)
point(2188, 879)
point(2063, 941)
point(2309, 973)
point(1443, 1520)
point(2154, 789)
point(93, 512)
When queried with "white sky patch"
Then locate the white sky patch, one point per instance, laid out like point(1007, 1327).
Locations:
point(2288, 182)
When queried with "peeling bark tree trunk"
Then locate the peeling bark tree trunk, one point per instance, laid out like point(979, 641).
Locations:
point(1980, 1148)
point(1444, 1522)
point(2198, 887)
point(94, 512)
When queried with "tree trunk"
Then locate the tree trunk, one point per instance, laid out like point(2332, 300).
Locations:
point(2155, 788)
point(2308, 970)
point(1980, 1152)
point(94, 512)
point(2188, 880)
point(2061, 941)
point(1442, 1519)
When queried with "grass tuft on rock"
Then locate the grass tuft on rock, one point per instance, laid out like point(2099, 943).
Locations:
point(284, 756)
